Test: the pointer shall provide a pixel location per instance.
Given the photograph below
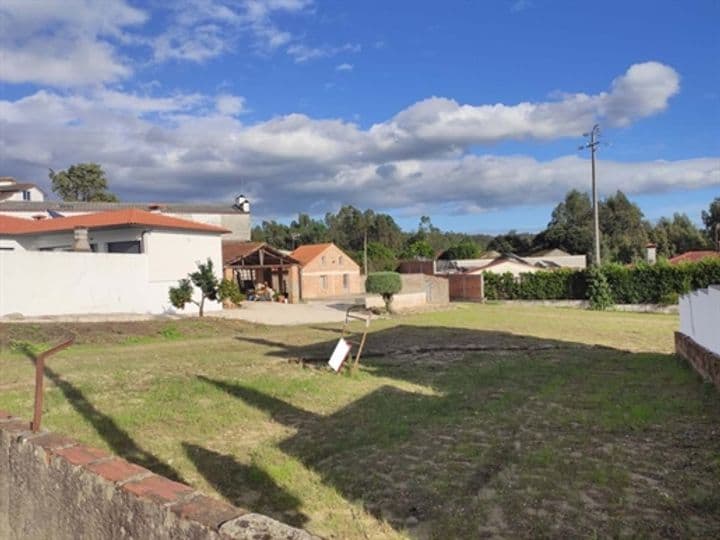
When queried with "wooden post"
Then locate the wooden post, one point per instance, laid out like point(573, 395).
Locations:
point(40, 379)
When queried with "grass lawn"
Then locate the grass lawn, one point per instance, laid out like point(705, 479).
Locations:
point(475, 422)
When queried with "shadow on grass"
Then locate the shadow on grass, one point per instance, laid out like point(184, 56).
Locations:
point(495, 405)
point(246, 486)
point(119, 440)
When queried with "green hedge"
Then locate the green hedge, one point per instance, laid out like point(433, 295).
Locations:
point(639, 284)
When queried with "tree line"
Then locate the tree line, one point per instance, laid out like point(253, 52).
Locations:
point(624, 233)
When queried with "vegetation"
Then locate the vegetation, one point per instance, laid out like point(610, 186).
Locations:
point(532, 434)
point(385, 284)
point(82, 182)
point(598, 292)
point(638, 284)
point(624, 234)
point(209, 286)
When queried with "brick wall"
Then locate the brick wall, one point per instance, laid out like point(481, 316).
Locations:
point(332, 264)
point(704, 361)
point(52, 487)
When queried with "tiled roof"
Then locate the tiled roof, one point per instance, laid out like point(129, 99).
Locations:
point(694, 256)
point(130, 217)
point(16, 187)
point(235, 250)
point(305, 254)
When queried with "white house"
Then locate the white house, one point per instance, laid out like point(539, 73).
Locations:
point(505, 264)
point(108, 262)
point(11, 190)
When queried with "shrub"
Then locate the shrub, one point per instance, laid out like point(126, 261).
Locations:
point(385, 284)
point(229, 290)
point(598, 290)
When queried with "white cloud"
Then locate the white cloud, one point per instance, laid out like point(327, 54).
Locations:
point(189, 146)
point(69, 43)
point(344, 67)
point(303, 53)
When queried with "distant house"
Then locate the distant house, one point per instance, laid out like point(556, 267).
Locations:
point(694, 256)
point(326, 271)
point(234, 217)
point(507, 263)
point(12, 190)
point(107, 262)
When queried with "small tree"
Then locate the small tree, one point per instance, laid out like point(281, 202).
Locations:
point(385, 284)
point(210, 288)
point(598, 290)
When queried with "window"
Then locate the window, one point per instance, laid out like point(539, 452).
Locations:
point(323, 282)
point(26, 195)
point(124, 247)
point(346, 281)
point(322, 260)
point(340, 260)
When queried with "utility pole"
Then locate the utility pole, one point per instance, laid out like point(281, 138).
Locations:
point(592, 144)
point(365, 251)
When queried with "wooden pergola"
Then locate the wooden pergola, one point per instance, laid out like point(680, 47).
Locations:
point(250, 263)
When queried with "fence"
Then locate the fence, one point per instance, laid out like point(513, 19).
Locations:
point(467, 287)
point(700, 317)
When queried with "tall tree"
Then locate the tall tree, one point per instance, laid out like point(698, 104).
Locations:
point(711, 219)
point(82, 182)
point(623, 234)
point(512, 242)
point(570, 227)
point(676, 236)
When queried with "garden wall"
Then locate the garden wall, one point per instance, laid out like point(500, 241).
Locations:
point(704, 361)
point(51, 487)
point(700, 317)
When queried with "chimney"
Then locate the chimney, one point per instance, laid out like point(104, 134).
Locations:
point(81, 239)
point(651, 253)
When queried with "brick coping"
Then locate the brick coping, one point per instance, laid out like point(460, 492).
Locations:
point(184, 501)
point(703, 360)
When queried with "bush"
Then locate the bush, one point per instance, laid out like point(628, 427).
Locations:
point(640, 284)
point(385, 284)
point(598, 290)
point(229, 290)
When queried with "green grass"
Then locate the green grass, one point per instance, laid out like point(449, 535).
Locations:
point(552, 422)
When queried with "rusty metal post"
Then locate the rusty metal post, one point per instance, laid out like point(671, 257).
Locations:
point(40, 378)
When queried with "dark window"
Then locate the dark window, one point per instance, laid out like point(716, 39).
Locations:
point(346, 281)
point(26, 195)
point(124, 247)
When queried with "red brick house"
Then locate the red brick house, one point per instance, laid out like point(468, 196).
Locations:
point(327, 271)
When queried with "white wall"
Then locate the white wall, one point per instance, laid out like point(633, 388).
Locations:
point(700, 317)
point(36, 283)
point(35, 195)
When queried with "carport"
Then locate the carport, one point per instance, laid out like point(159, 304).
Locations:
point(249, 263)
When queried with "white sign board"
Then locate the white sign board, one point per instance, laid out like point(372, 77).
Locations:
point(339, 354)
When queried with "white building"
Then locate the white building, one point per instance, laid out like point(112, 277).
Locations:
point(108, 262)
point(11, 190)
point(28, 201)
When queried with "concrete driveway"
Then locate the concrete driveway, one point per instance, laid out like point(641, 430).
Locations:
point(275, 313)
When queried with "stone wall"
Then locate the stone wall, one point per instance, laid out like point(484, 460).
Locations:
point(52, 487)
point(704, 361)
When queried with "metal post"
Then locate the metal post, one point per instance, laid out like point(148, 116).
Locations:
point(39, 380)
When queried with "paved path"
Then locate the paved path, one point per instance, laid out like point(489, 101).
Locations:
point(274, 313)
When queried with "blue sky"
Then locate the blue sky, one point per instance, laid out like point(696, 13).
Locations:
point(470, 112)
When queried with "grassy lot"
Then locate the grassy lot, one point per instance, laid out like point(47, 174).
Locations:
point(480, 421)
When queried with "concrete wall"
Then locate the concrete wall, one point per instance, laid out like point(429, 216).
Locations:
point(418, 290)
point(52, 488)
point(331, 265)
point(700, 317)
point(35, 283)
point(35, 195)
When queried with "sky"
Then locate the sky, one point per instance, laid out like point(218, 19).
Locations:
point(471, 112)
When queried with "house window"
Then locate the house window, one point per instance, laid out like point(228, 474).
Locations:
point(323, 282)
point(346, 281)
point(124, 247)
point(322, 260)
point(26, 195)
point(340, 259)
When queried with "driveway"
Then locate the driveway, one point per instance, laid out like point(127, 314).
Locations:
point(275, 313)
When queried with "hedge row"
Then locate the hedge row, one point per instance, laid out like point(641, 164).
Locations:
point(639, 284)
